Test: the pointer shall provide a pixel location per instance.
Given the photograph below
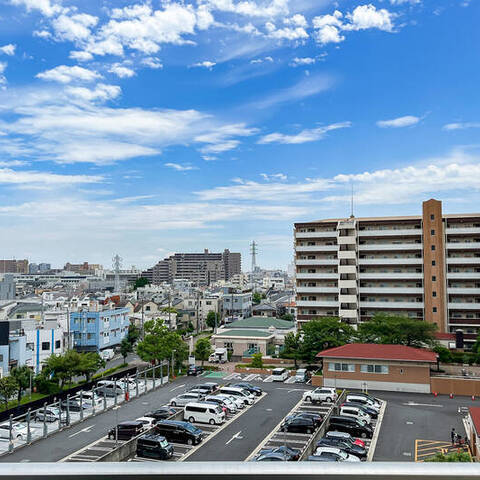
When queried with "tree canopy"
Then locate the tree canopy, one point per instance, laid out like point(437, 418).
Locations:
point(292, 347)
point(140, 282)
point(8, 388)
point(203, 349)
point(125, 349)
point(212, 319)
point(257, 360)
point(22, 375)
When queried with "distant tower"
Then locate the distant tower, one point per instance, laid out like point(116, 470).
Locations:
point(116, 263)
point(253, 252)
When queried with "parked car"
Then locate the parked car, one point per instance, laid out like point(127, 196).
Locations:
point(279, 374)
point(227, 405)
point(109, 388)
point(270, 457)
point(297, 425)
point(288, 453)
point(90, 398)
point(107, 354)
point(17, 432)
point(238, 402)
point(194, 370)
point(184, 398)
point(74, 405)
point(315, 417)
point(301, 375)
point(355, 412)
point(205, 389)
point(364, 399)
point(50, 414)
point(363, 407)
point(346, 446)
point(154, 446)
point(204, 413)
point(350, 425)
point(161, 413)
point(126, 430)
point(241, 393)
point(249, 387)
point(346, 437)
point(320, 394)
point(324, 457)
point(213, 386)
point(176, 431)
point(342, 455)
point(148, 422)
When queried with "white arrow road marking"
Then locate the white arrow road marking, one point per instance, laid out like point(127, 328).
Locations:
point(413, 404)
point(180, 386)
point(86, 429)
point(235, 437)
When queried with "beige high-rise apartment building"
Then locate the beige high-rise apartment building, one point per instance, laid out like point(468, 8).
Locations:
point(425, 267)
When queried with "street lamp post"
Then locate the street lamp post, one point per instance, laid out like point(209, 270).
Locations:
point(116, 425)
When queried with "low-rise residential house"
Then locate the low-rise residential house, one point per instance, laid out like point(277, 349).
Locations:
point(264, 310)
point(237, 305)
point(244, 342)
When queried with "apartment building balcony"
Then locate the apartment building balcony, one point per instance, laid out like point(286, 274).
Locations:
point(347, 255)
point(347, 284)
point(391, 275)
point(463, 260)
point(463, 275)
point(327, 234)
point(383, 247)
point(464, 306)
point(316, 248)
point(390, 261)
point(347, 240)
point(463, 246)
point(347, 269)
point(391, 305)
point(317, 261)
point(391, 232)
point(464, 321)
point(348, 313)
point(462, 231)
point(317, 303)
point(317, 290)
point(316, 276)
point(347, 298)
point(392, 290)
point(463, 291)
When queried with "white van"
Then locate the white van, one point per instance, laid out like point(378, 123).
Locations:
point(109, 388)
point(204, 413)
point(301, 375)
point(107, 354)
point(240, 393)
point(355, 412)
point(279, 374)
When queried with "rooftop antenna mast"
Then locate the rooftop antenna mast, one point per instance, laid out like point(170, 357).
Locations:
point(117, 262)
point(351, 200)
point(253, 252)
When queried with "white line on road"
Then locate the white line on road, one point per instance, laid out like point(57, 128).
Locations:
point(86, 429)
point(179, 386)
point(413, 404)
point(373, 445)
point(236, 436)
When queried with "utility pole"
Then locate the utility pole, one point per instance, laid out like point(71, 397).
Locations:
point(197, 305)
point(169, 308)
point(143, 318)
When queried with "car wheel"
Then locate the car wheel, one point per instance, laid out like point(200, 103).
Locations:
point(363, 435)
point(19, 436)
point(211, 421)
point(329, 399)
point(37, 419)
point(189, 441)
point(173, 404)
point(308, 399)
point(191, 419)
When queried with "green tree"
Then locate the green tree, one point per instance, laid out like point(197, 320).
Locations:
point(22, 376)
point(8, 388)
point(288, 317)
point(203, 349)
point(450, 457)
point(125, 349)
point(257, 361)
point(444, 354)
point(256, 298)
point(89, 364)
point(397, 330)
point(212, 319)
point(133, 334)
point(324, 332)
point(292, 347)
point(140, 282)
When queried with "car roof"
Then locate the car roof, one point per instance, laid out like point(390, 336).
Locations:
point(132, 423)
point(152, 436)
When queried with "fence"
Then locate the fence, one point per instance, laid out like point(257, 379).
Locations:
point(72, 408)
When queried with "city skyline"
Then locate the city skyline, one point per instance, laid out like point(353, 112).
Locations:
point(154, 127)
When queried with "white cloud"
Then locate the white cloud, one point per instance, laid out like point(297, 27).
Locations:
point(302, 61)
point(66, 74)
point(297, 20)
point(274, 176)
point(307, 135)
point(121, 71)
point(101, 92)
point(9, 176)
point(13, 163)
point(287, 33)
point(400, 122)
point(402, 2)
point(42, 34)
point(274, 8)
point(152, 62)
point(220, 140)
point(461, 125)
point(3, 67)
point(328, 34)
point(73, 28)
point(205, 64)
point(367, 16)
point(46, 7)
point(323, 20)
point(261, 60)
point(80, 56)
point(8, 49)
point(180, 168)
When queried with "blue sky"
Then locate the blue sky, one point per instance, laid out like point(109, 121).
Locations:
point(146, 128)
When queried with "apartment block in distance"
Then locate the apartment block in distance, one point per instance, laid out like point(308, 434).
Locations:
point(425, 267)
point(14, 266)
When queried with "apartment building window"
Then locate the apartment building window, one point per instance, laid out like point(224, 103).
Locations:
point(432, 217)
point(432, 232)
point(434, 309)
point(45, 346)
point(434, 294)
point(433, 248)
point(433, 263)
point(57, 344)
point(434, 278)
point(341, 367)
point(374, 369)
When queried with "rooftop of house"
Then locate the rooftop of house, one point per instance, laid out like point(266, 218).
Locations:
point(373, 351)
point(243, 333)
point(261, 322)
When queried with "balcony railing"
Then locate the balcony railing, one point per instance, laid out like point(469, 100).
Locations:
point(328, 234)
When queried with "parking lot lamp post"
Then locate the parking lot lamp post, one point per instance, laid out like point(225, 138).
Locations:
point(81, 404)
point(45, 429)
point(115, 388)
point(173, 364)
point(161, 373)
point(68, 410)
point(136, 383)
point(31, 375)
point(10, 442)
point(104, 401)
point(93, 400)
point(153, 375)
point(59, 413)
point(116, 425)
point(29, 432)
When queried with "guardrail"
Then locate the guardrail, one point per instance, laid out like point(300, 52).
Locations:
point(240, 471)
point(321, 430)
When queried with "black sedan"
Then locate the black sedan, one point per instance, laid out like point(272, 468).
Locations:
point(289, 454)
point(347, 447)
point(270, 457)
point(249, 387)
point(297, 425)
point(161, 413)
point(194, 370)
point(315, 417)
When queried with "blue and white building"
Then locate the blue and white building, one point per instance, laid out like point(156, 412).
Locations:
point(95, 331)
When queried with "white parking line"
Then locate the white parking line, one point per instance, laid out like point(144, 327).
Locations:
point(86, 429)
point(176, 388)
point(378, 424)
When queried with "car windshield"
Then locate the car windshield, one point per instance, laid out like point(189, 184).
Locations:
point(191, 428)
point(342, 454)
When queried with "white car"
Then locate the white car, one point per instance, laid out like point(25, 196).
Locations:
point(50, 414)
point(240, 404)
point(19, 431)
point(320, 394)
point(89, 398)
point(148, 422)
point(184, 398)
point(340, 454)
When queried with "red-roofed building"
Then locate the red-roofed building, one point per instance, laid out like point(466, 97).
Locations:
point(473, 430)
point(378, 367)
